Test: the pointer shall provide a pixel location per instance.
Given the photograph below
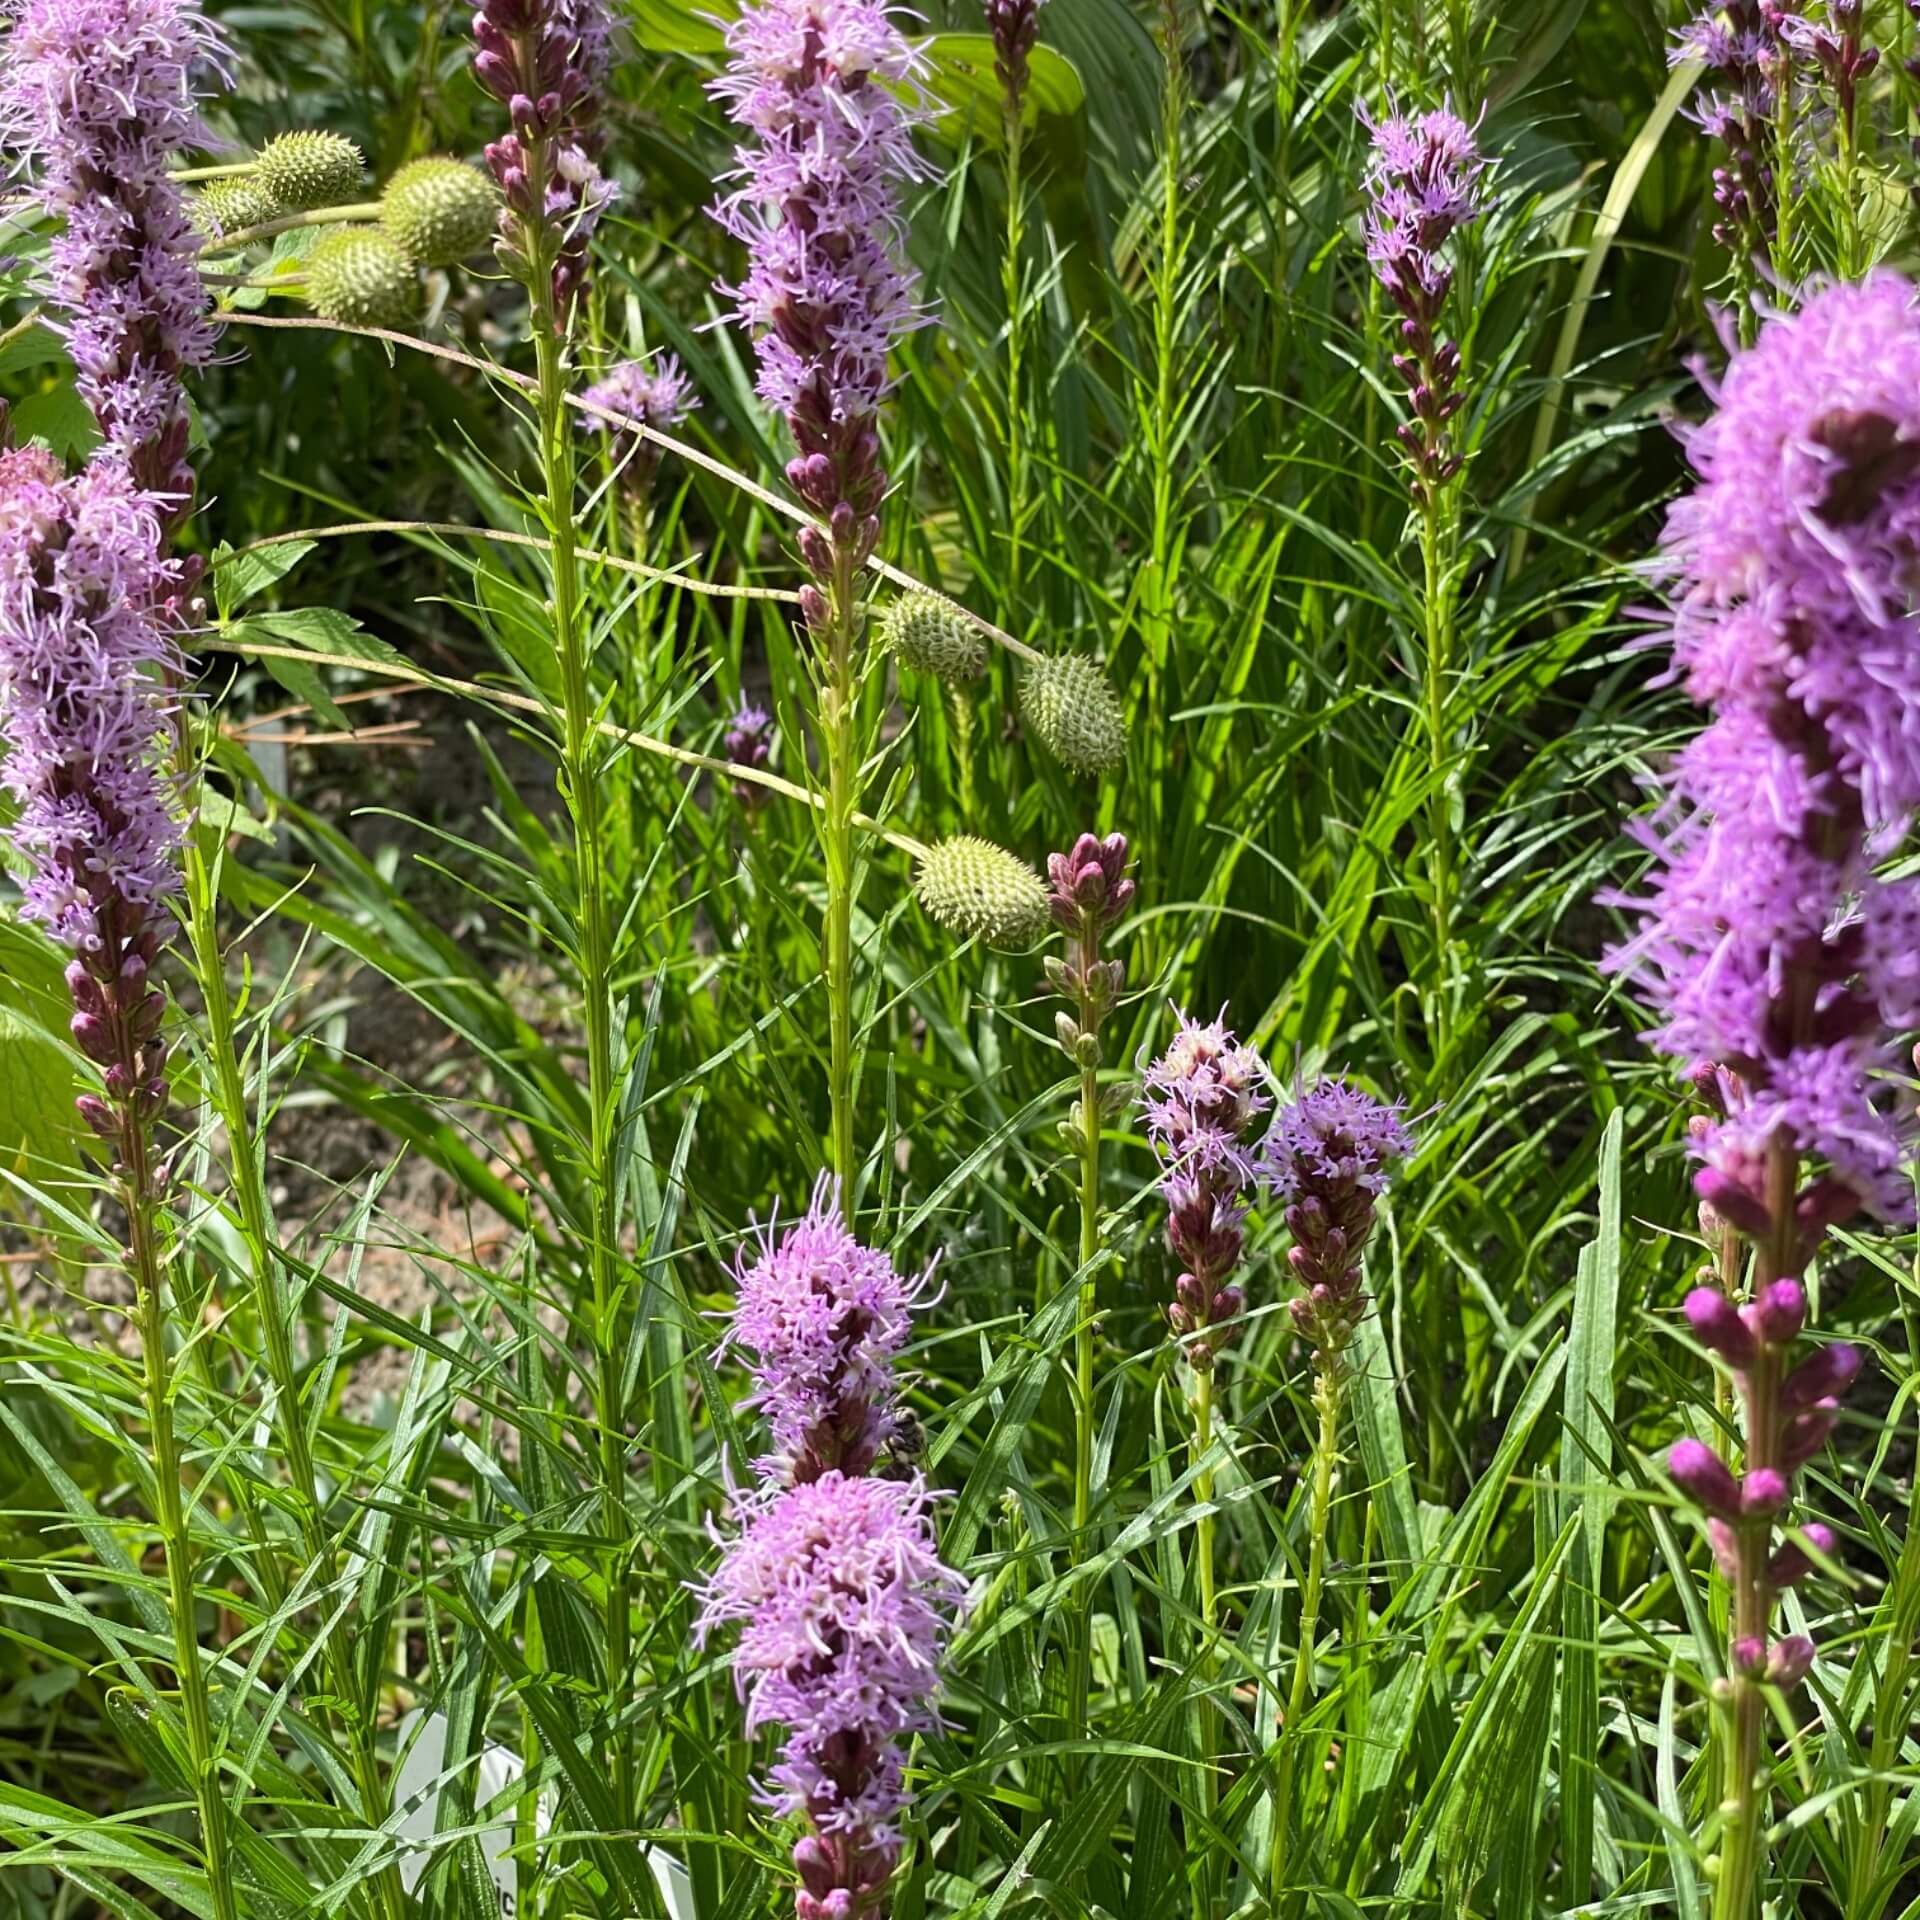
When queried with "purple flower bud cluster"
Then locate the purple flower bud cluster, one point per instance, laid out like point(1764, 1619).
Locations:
point(1839, 49)
point(1422, 185)
point(82, 572)
point(750, 744)
point(1089, 889)
point(96, 96)
point(846, 1612)
point(1767, 943)
point(1203, 1099)
point(1015, 27)
point(1326, 1159)
point(828, 92)
point(822, 1320)
point(1743, 46)
point(546, 61)
point(652, 393)
point(1791, 1407)
point(834, 1571)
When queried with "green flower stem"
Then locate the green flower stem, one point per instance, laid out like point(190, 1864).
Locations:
point(227, 1091)
point(581, 766)
point(359, 211)
point(1011, 279)
point(147, 1269)
point(1208, 1789)
point(839, 700)
point(1080, 1690)
point(1326, 1398)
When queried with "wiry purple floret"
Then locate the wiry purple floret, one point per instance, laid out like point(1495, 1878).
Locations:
point(1767, 942)
point(823, 1319)
point(83, 707)
point(1333, 1134)
point(96, 96)
point(846, 1610)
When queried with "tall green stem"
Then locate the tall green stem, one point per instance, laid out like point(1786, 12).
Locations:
point(227, 1091)
point(580, 767)
point(1012, 281)
point(148, 1273)
point(1081, 1689)
point(1209, 1611)
point(838, 703)
point(1326, 1397)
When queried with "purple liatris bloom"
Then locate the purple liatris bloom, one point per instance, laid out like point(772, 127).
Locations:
point(846, 1611)
point(547, 62)
point(1767, 944)
point(1742, 48)
point(822, 1319)
point(749, 743)
point(82, 719)
point(826, 90)
point(1326, 1158)
point(1423, 182)
point(1203, 1097)
point(96, 96)
point(654, 392)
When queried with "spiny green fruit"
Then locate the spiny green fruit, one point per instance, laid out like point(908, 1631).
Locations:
point(226, 206)
point(308, 169)
point(971, 887)
point(358, 277)
point(933, 636)
point(439, 211)
point(1075, 715)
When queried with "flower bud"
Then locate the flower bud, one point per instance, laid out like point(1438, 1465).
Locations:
point(1823, 1375)
point(1806, 1433)
point(308, 169)
point(97, 1114)
point(1702, 1475)
point(1790, 1661)
point(1073, 712)
point(1067, 1031)
point(932, 635)
point(1791, 1564)
point(438, 212)
point(975, 889)
point(1780, 1312)
point(1716, 1324)
point(1749, 1655)
point(1732, 1202)
point(1763, 1492)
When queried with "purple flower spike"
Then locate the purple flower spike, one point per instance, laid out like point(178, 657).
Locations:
point(652, 393)
point(1702, 1476)
point(96, 97)
point(1202, 1099)
point(1423, 182)
point(846, 1612)
point(827, 92)
point(823, 1320)
point(750, 744)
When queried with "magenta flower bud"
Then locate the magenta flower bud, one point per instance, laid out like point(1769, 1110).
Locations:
point(97, 1114)
point(1826, 1203)
point(1824, 1375)
point(1717, 1324)
point(1732, 1202)
point(1806, 1433)
point(1749, 1655)
point(1791, 1564)
point(1726, 1548)
point(92, 1035)
point(1790, 1661)
point(1763, 1492)
point(1780, 1312)
point(1702, 1476)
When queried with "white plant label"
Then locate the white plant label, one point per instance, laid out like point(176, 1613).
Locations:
point(423, 1740)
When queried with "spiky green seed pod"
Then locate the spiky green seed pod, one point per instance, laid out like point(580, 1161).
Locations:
point(228, 206)
point(308, 169)
point(973, 888)
point(359, 278)
point(1073, 712)
point(438, 212)
point(932, 635)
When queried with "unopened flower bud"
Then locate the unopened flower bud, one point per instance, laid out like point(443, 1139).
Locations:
point(1824, 1375)
point(1716, 1324)
point(1702, 1475)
